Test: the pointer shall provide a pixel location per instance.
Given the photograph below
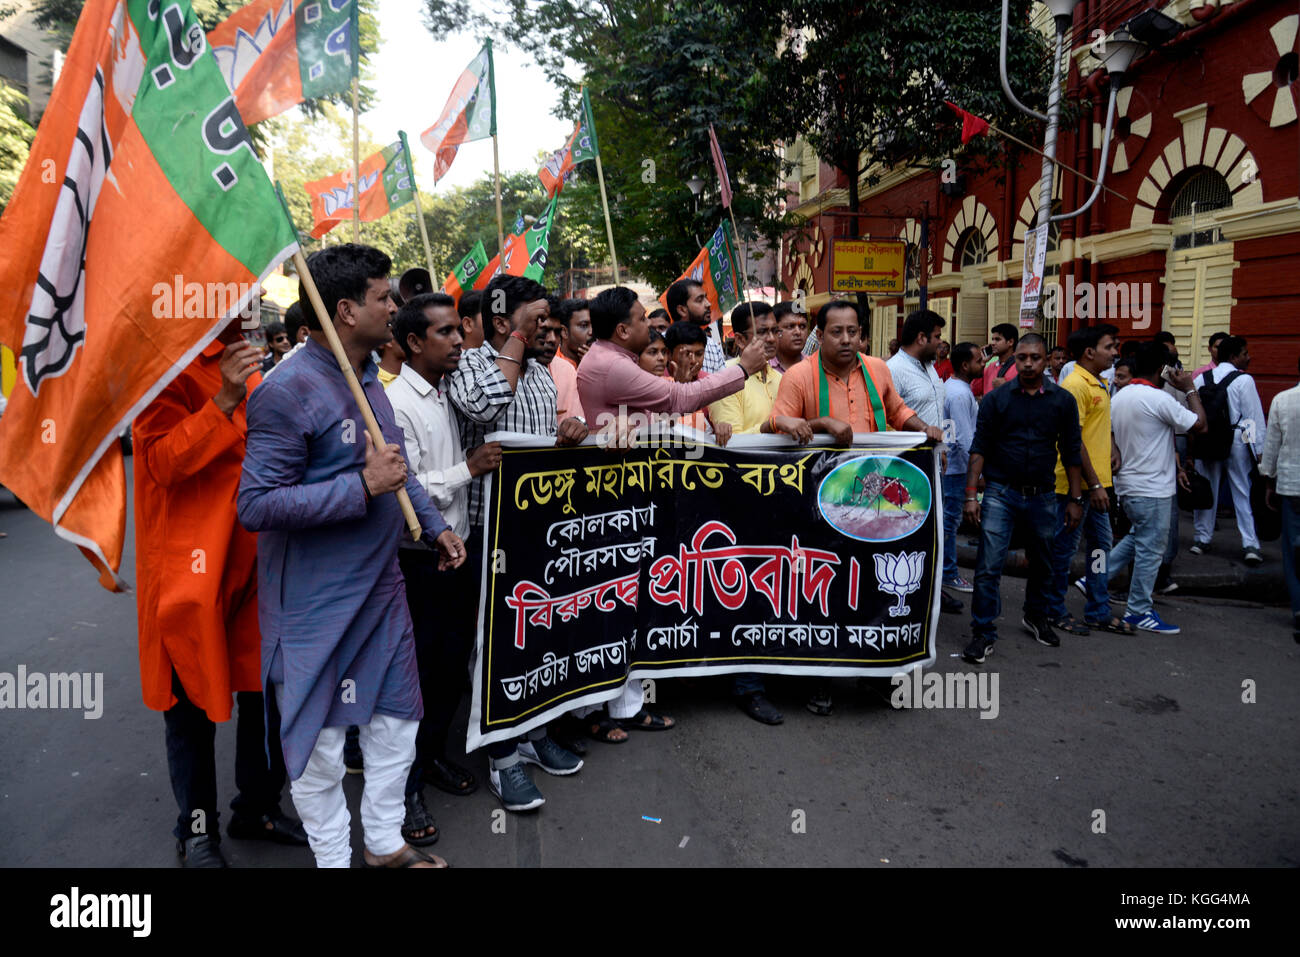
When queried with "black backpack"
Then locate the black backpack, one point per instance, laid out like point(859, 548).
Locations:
point(1215, 444)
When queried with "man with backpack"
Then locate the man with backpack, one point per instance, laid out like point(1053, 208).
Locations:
point(1235, 421)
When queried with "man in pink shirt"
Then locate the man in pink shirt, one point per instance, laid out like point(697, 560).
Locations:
point(612, 384)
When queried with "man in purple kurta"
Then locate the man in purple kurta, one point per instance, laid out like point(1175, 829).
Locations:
point(337, 644)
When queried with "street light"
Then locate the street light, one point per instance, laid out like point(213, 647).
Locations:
point(1118, 51)
point(695, 184)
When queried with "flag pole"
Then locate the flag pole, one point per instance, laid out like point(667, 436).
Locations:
point(358, 394)
point(501, 233)
point(604, 200)
point(356, 123)
point(350, 377)
point(419, 215)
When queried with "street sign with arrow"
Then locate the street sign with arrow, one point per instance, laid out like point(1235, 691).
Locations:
point(867, 265)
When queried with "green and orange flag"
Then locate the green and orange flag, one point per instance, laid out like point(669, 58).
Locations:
point(580, 147)
point(470, 113)
point(142, 225)
point(525, 253)
point(386, 184)
point(466, 272)
point(715, 269)
point(276, 53)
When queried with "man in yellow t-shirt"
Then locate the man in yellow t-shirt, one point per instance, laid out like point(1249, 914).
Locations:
point(749, 411)
point(1093, 350)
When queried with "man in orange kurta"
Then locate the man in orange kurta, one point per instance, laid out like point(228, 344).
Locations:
point(197, 599)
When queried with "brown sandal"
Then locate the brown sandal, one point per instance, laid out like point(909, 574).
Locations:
point(409, 857)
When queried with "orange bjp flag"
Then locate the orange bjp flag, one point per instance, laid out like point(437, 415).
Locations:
point(140, 227)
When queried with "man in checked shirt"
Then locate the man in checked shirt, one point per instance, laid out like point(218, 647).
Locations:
point(501, 386)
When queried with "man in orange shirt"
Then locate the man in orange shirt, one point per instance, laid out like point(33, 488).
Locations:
point(834, 393)
point(197, 599)
point(839, 391)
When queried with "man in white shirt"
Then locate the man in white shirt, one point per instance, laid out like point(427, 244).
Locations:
point(1144, 419)
point(1281, 463)
point(912, 367)
point(442, 603)
point(1246, 414)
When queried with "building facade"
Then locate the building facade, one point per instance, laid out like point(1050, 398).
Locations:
point(1204, 235)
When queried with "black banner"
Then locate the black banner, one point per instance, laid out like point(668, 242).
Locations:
point(688, 559)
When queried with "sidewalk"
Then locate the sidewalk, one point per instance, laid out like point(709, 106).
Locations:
point(1219, 572)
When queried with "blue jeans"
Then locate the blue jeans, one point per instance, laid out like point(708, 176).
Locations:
point(1096, 525)
point(1144, 547)
point(954, 494)
point(1000, 511)
point(1290, 542)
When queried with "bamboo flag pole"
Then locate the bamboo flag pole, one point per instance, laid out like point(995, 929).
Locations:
point(358, 394)
point(350, 377)
point(501, 233)
point(356, 121)
point(600, 178)
point(419, 215)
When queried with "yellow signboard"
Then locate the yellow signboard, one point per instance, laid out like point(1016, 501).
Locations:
point(868, 265)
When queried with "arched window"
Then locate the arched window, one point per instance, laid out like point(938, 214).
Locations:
point(972, 250)
point(1205, 191)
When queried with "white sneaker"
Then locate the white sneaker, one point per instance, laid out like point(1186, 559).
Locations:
point(1252, 558)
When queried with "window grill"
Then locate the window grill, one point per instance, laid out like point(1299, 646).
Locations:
point(1204, 193)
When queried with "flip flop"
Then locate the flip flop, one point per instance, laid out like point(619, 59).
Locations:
point(639, 722)
point(409, 857)
point(1116, 626)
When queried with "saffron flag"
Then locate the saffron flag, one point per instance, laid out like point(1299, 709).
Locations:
point(385, 185)
point(971, 125)
point(720, 164)
point(276, 53)
point(159, 230)
point(525, 253)
point(466, 272)
point(715, 269)
point(470, 113)
point(581, 146)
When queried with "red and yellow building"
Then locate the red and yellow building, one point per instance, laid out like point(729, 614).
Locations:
point(1206, 153)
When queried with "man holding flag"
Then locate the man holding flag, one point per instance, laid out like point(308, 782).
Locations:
point(337, 642)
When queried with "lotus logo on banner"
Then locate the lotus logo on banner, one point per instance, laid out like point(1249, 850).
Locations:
point(899, 575)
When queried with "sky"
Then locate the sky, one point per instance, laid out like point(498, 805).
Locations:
point(413, 74)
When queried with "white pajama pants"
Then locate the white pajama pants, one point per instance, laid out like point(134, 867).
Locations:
point(388, 746)
point(1238, 464)
point(627, 704)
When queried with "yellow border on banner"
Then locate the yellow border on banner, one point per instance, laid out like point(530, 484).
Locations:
point(573, 693)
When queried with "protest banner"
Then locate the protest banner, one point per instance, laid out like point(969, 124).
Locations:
point(690, 559)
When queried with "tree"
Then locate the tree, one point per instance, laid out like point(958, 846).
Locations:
point(658, 74)
point(865, 83)
point(16, 136)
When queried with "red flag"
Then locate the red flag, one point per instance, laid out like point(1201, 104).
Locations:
point(720, 164)
point(971, 125)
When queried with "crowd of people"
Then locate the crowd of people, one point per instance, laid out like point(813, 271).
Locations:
point(275, 568)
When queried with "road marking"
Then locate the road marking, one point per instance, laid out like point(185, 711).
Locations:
point(684, 840)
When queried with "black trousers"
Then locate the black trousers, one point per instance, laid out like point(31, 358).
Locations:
point(192, 763)
point(443, 606)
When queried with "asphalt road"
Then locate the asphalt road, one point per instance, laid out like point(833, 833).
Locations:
point(1151, 732)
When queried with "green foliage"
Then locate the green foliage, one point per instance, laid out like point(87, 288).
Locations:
point(15, 140)
point(658, 74)
point(865, 83)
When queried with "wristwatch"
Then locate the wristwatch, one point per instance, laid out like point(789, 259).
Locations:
point(1077, 501)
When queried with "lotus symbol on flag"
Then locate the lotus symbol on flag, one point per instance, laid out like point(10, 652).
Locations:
point(899, 575)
